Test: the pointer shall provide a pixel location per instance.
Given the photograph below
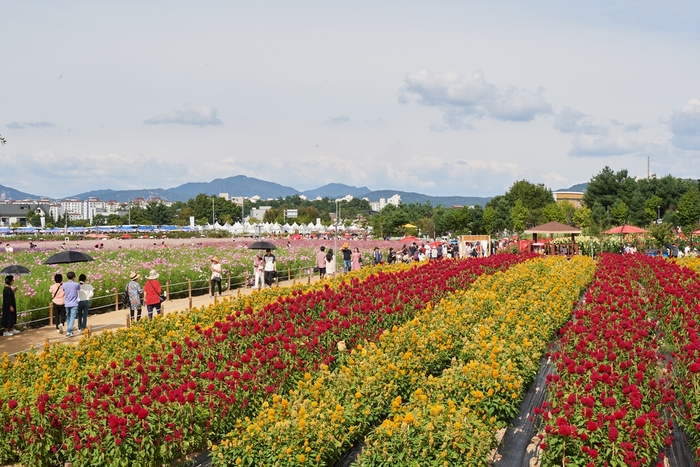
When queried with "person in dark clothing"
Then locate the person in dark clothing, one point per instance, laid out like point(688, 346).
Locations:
point(9, 307)
point(391, 256)
point(347, 257)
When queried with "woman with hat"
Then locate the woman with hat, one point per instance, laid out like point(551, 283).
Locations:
point(153, 291)
point(215, 268)
point(135, 291)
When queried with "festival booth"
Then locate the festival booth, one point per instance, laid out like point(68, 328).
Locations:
point(551, 248)
point(480, 241)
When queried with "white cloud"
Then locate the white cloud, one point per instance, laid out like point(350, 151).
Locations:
point(24, 125)
point(40, 172)
point(685, 126)
point(603, 145)
point(199, 115)
point(337, 120)
point(468, 95)
point(574, 121)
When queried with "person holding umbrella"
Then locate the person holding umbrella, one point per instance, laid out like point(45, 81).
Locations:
point(70, 289)
point(270, 267)
point(9, 307)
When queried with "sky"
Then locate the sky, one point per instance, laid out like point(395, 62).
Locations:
point(441, 97)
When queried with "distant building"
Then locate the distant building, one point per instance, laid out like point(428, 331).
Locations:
point(259, 213)
point(224, 196)
point(237, 200)
point(574, 197)
point(15, 213)
point(383, 202)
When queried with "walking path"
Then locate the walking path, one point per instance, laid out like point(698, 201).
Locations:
point(113, 320)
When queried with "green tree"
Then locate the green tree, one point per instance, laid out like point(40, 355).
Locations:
point(99, 219)
point(489, 220)
point(652, 208)
point(569, 210)
point(532, 196)
point(158, 213)
point(619, 212)
point(661, 233)
point(605, 188)
point(518, 213)
point(553, 212)
point(33, 218)
point(689, 209)
point(582, 217)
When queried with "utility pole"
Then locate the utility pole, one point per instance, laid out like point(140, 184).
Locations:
point(335, 241)
point(213, 197)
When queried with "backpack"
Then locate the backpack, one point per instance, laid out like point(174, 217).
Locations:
point(126, 301)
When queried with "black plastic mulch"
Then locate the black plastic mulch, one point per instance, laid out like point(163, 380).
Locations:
point(512, 451)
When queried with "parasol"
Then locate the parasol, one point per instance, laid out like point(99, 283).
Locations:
point(69, 257)
point(261, 245)
point(15, 270)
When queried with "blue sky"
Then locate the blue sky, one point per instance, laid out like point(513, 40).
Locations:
point(444, 98)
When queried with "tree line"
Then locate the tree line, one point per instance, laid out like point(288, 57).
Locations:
point(611, 198)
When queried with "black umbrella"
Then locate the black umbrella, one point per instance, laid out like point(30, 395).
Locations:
point(69, 257)
point(15, 270)
point(260, 245)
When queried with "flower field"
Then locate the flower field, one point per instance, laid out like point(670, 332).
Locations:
point(149, 394)
point(110, 270)
point(436, 388)
point(627, 365)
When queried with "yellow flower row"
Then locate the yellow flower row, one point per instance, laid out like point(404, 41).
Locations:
point(451, 420)
point(330, 410)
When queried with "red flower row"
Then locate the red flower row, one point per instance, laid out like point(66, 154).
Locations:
point(608, 398)
point(151, 409)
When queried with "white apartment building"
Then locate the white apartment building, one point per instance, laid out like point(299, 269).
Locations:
point(383, 202)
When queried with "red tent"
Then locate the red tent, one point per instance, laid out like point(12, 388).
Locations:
point(126, 237)
point(625, 229)
point(410, 239)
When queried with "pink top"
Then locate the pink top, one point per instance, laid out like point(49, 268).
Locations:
point(321, 259)
point(355, 258)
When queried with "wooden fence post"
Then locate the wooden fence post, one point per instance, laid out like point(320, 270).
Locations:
point(215, 299)
point(51, 314)
point(116, 301)
point(89, 330)
point(128, 320)
point(167, 290)
point(189, 290)
point(309, 281)
point(229, 282)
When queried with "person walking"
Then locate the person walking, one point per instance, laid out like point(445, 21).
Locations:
point(85, 293)
point(59, 303)
point(347, 257)
point(9, 307)
point(215, 268)
point(321, 262)
point(270, 267)
point(134, 291)
point(356, 260)
point(330, 262)
point(258, 270)
point(70, 288)
point(153, 291)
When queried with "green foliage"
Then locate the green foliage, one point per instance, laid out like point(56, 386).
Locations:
point(689, 209)
point(651, 208)
point(518, 213)
point(619, 212)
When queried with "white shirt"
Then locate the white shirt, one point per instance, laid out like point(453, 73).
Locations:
point(85, 292)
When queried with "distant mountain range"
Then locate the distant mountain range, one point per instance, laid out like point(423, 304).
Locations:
point(240, 185)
